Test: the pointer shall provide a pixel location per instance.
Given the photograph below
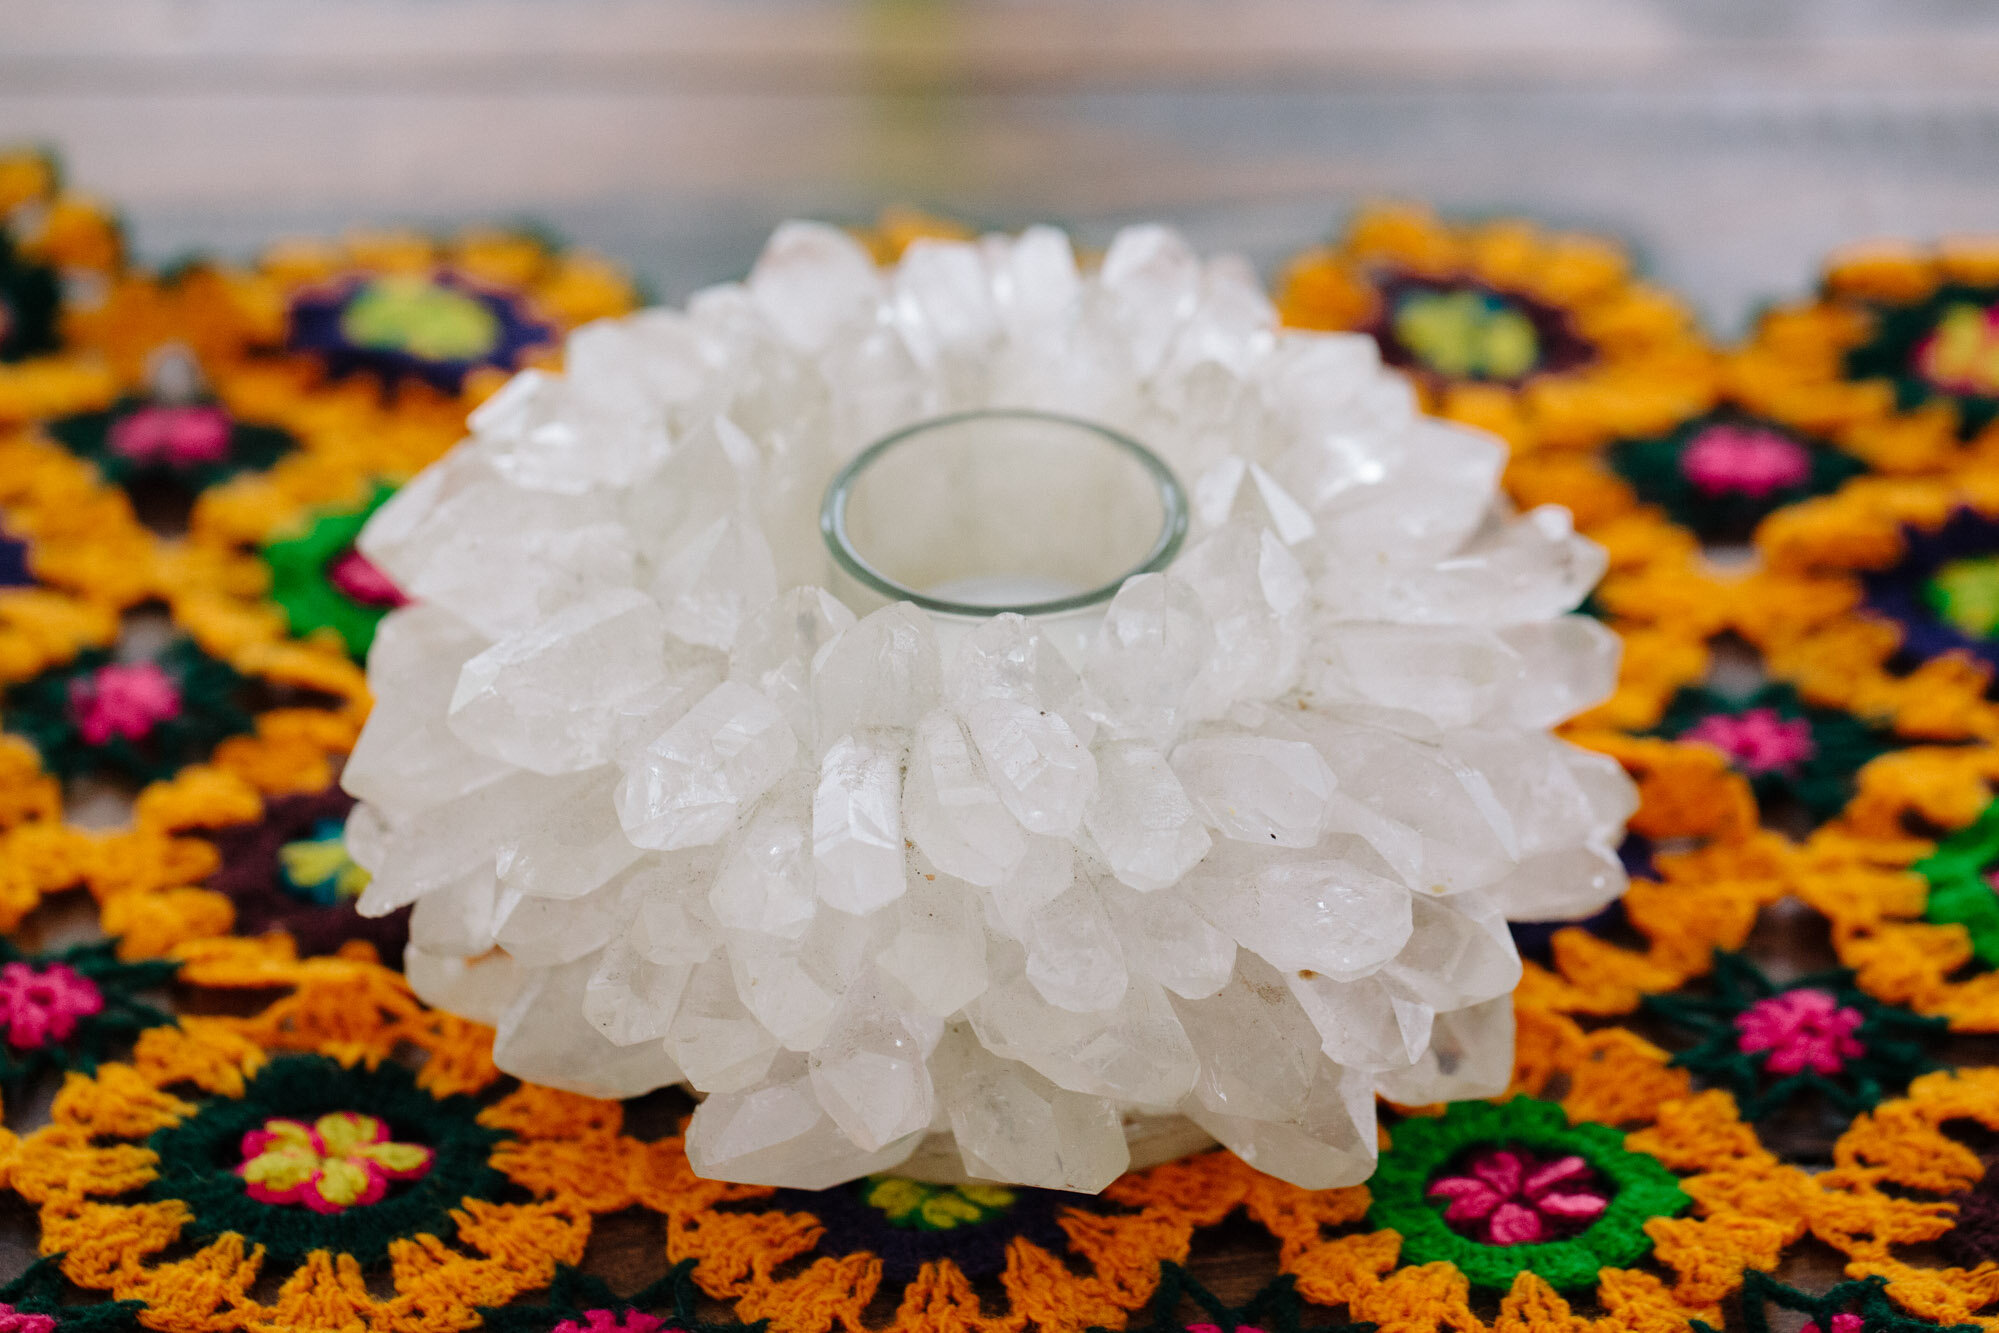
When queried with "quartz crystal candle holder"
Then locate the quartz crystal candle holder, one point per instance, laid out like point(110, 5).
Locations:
point(977, 716)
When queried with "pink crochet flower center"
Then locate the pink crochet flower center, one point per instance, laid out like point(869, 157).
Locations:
point(359, 579)
point(126, 701)
point(1744, 460)
point(1801, 1030)
point(1507, 1196)
point(1841, 1323)
point(176, 436)
point(40, 1005)
point(20, 1321)
point(1759, 741)
point(603, 1321)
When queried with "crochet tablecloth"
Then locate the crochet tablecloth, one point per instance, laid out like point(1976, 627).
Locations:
point(1752, 1094)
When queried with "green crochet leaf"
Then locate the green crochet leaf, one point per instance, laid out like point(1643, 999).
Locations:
point(301, 580)
point(1959, 893)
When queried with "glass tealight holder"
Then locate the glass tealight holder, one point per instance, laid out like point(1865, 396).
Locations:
point(1004, 510)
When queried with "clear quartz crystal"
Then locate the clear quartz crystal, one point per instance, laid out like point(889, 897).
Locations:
point(1239, 844)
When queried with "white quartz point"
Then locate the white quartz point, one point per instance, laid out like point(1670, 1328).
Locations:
point(1165, 939)
point(938, 951)
point(1073, 956)
point(631, 1000)
point(883, 672)
point(1036, 762)
point(1254, 594)
point(776, 1133)
point(1137, 1052)
point(437, 846)
point(542, 932)
point(857, 848)
point(813, 280)
point(1151, 649)
point(1259, 1052)
point(407, 758)
point(765, 883)
point(1257, 789)
point(717, 1042)
point(794, 987)
point(688, 787)
point(1307, 912)
point(942, 298)
point(1447, 675)
point(1470, 1055)
point(548, 698)
point(544, 1037)
point(665, 910)
point(869, 1073)
point(1331, 1144)
point(569, 846)
point(498, 557)
point(721, 578)
point(1006, 657)
point(1468, 837)
point(459, 919)
point(476, 988)
point(1010, 1123)
point(1141, 819)
point(1154, 280)
point(1567, 665)
point(952, 811)
point(1364, 1024)
point(774, 651)
point(1459, 952)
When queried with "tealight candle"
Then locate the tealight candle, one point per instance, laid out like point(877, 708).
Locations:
point(1006, 510)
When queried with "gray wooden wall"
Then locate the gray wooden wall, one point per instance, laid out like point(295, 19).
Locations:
point(1732, 140)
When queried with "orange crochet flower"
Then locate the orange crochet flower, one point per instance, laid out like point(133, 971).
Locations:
point(1901, 1178)
point(1543, 338)
point(175, 1179)
point(1894, 359)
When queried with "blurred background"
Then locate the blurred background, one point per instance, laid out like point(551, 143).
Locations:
point(1731, 141)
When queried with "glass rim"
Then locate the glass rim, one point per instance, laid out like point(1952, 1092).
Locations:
point(833, 517)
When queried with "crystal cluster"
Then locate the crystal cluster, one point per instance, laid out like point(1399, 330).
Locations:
point(670, 811)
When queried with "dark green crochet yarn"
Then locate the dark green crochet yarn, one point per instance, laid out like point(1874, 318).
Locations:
point(41, 1290)
point(39, 711)
point(1894, 1042)
point(252, 448)
point(1821, 783)
point(199, 1157)
point(30, 305)
point(1656, 470)
point(1959, 892)
point(1425, 1145)
point(575, 1295)
point(123, 1016)
point(1276, 1308)
point(1890, 354)
point(1866, 1299)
